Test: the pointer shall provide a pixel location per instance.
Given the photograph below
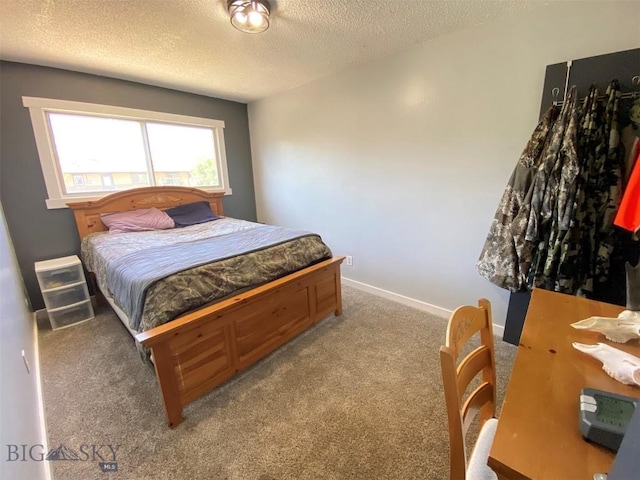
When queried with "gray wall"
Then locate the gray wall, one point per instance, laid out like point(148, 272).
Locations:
point(21, 422)
point(401, 162)
point(41, 234)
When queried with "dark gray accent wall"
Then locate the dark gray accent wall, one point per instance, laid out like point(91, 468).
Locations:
point(39, 233)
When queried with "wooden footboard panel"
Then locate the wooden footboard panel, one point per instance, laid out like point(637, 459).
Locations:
point(200, 350)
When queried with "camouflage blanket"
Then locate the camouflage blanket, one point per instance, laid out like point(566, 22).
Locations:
point(156, 276)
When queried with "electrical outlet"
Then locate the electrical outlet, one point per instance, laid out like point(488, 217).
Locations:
point(349, 261)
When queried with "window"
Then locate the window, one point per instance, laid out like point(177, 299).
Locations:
point(88, 151)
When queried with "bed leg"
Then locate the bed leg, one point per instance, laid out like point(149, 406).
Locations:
point(338, 310)
point(168, 384)
point(100, 300)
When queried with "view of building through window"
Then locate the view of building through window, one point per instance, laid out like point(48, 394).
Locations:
point(97, 154)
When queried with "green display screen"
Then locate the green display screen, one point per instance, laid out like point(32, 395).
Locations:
point(613, 411)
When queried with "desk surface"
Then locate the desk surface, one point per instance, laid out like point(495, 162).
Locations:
point(538, 436)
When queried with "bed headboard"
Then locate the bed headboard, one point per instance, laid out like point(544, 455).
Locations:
point(88, 213)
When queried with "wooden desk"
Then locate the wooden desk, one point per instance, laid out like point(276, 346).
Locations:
point(538, 436)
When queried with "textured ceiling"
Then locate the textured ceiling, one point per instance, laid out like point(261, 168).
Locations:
point(190, 45)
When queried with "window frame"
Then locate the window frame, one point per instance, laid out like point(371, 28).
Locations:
point(54, 181)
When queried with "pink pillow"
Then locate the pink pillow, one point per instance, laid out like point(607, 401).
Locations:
point(137, 220)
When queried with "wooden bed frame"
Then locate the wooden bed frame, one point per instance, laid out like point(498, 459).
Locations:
point(198, 351)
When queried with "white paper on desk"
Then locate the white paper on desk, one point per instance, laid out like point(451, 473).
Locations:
point(620, 365)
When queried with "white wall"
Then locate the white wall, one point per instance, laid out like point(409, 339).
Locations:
point(20, 411)
point(401, 162)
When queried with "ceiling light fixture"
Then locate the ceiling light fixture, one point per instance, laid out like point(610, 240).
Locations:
point(249, 16)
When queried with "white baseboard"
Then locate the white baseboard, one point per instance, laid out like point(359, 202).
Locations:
point(396, 297)
point(498, 330)
point(38, 375)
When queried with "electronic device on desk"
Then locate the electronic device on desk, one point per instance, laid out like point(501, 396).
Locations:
point(626, 465)
point(605, 416)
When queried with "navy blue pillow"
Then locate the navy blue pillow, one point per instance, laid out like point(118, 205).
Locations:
point(191, 214)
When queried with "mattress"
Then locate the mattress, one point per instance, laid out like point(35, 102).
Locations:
point(156, 276)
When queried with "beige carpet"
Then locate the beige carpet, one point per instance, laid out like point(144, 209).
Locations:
point(356, 397)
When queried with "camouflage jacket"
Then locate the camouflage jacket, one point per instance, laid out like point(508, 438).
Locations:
point(506, 256)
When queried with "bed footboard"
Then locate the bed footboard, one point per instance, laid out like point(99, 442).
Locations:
point(200, 350)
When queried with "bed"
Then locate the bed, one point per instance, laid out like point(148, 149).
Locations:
point(207, 345)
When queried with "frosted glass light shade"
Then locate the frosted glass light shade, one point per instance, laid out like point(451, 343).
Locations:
point(249, 16)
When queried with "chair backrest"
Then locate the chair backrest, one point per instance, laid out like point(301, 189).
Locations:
point(464, 322)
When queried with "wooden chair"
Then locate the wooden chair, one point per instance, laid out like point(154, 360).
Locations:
point(464, 322)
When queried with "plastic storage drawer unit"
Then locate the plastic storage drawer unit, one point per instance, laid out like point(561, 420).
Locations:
point(65, 295)
point(66, 316)
point(64, 291)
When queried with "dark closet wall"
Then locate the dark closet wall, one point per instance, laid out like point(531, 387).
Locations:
point(39, 233)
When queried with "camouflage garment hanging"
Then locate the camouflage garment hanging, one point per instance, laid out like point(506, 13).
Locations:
point(537, 231)
point(608, 191)
point(556, 198)
point(570, 272)
point(554, 225)
point(581, 239)
point(547, 179)
point(505, 257)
